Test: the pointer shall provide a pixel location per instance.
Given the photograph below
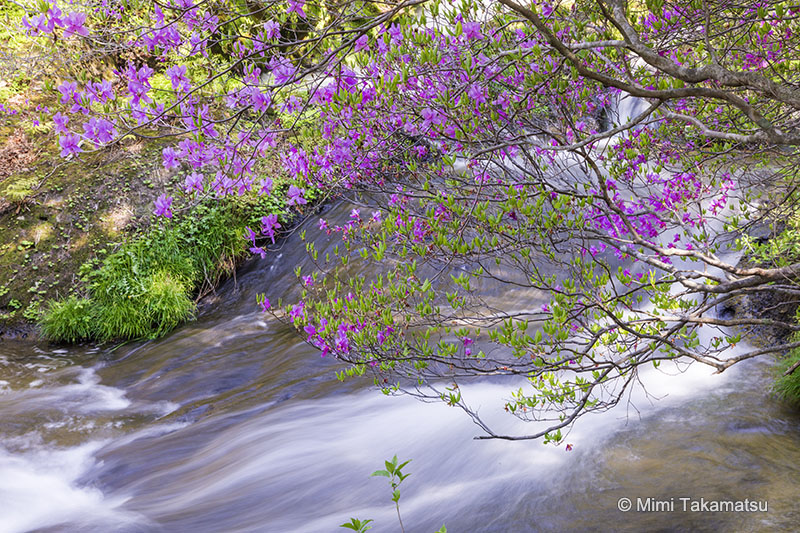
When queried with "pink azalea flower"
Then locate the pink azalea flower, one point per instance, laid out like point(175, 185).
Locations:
point(73, 24)
point(163, 206)
point(69, 144)
point(296, 196)
point(296, 6)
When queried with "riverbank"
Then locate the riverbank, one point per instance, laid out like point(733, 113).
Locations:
point(56, 215)
point(83, 253)
point(771, 244)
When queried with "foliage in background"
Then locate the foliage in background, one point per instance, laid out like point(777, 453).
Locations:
point(779, 247)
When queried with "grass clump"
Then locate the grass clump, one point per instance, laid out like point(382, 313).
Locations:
point(162, 303)
point(19, 190)
point(787, 388)
point(68, 320)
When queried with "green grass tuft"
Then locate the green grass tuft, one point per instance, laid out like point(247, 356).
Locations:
point(787, 388)
point(69, 320)
point(166, 303)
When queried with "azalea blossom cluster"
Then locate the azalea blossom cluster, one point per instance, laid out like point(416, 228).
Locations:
point(51, 19)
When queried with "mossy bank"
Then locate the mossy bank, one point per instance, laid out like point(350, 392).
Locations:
point(56, 215)
point(84, 256)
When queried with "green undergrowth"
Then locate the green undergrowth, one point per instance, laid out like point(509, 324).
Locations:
point(778, 246)
point(787, 388)
point(150, 284)
point(55, 215)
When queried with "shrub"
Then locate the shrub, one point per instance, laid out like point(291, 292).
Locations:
point(145, 288)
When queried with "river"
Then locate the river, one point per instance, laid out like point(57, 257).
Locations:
point(232, 424)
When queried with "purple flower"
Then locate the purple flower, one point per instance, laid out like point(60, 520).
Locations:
point(269, 224)
point(139, 83)
point(266, 186)
point(73, 24)
point(60, 122)
point(163, 206)
point(472, 30)
point(177, 76)
point(103, 90)
point(298, 310)
point(384, 334)
point(272, 29)
point(431, 117)
point(69, 144)
point(362, 43)
point(396, 33)
point(284, 71)
point(342, 342)
point(477, 93)
point(296, 196)
point(259, 100)
point(193, 182)
point(260, 251)
point(308, 281)
point(170, 158)
point(297, 7)
point(292, 104)
point(99, 130)
point(37, 24)
point(249, 234)
point(265, 305)
point(67, 90)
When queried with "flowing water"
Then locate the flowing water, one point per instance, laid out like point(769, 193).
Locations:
point(232, 424)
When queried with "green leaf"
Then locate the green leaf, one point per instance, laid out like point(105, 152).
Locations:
point(358, 525)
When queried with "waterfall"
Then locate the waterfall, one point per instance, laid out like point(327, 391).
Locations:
point(622, 108)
